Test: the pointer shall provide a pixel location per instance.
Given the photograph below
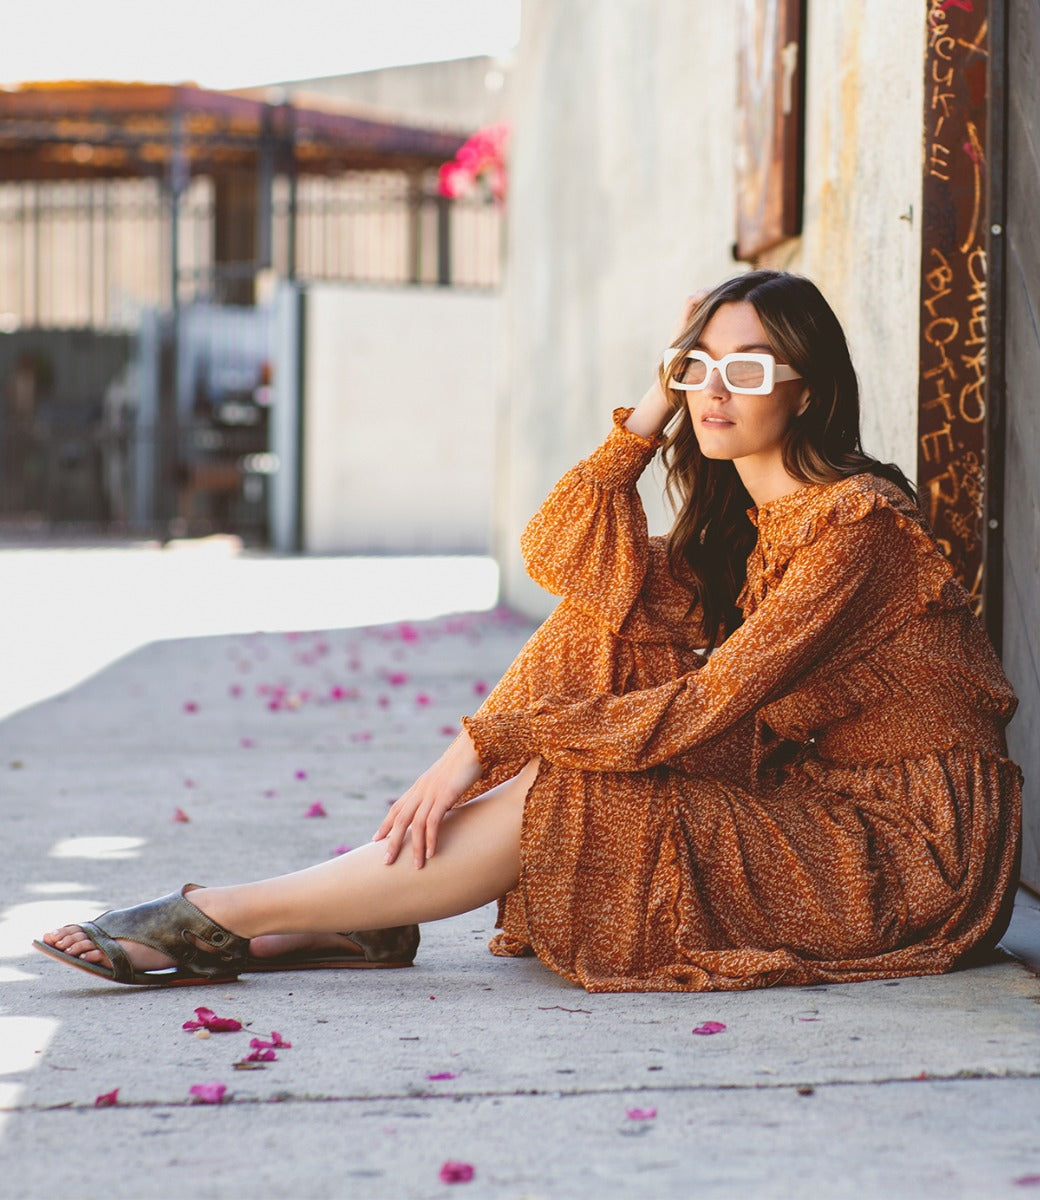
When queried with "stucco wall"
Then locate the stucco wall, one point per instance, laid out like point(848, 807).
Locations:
point(399, 420)
point(622, 201)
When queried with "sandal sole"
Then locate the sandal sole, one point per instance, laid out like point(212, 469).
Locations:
point(143, 979)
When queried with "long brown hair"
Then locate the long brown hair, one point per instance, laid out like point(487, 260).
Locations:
point(712, 536)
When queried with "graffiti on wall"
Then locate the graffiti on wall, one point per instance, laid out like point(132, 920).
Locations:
point(952, 399)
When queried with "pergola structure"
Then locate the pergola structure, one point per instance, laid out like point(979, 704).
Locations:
point(79, 131)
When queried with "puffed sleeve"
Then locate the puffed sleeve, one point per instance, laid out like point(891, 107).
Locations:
point(823, 609)
point(589, 540)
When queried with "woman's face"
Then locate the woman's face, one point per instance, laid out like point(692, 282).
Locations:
point(748, 430)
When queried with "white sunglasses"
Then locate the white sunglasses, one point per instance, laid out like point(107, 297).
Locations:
point(749, 374)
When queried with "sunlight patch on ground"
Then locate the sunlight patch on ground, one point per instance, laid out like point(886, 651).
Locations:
point(97, 847)
point(68, 613)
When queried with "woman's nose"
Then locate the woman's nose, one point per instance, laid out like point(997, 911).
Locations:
point(716, 384)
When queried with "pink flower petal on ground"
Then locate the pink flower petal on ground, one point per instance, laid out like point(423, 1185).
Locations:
point(709, 1027)
point(383, 702)
point(456, 1172)
point(235, 690)
point(397, 678)
point(246, 743)
point(641, 1114)
point(408, 633)
point(422, 699)
point(277, 1042)
point(1021, 1181)
point(270, 793)
point(189, 783)
point(480, 687)
point(107, 1099)
point(338, 850)
point(206, 1018)
point(180, 817)
point(299, 774)
point(259, 1055)
point(361, 736)
point(443, 1075)
point(317, 809)
point(190, 706)
point(449, 730)
point(208, 1093)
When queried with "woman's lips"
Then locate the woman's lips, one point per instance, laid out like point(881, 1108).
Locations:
point(715, 420)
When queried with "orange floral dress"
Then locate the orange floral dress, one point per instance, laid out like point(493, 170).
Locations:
point(824, 798)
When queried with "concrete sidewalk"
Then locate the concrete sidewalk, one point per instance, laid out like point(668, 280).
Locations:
point(912, 1088)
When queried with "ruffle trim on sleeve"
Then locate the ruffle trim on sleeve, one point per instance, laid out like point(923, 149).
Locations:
point(799, 519)
point(622, 457)
point(498, 737)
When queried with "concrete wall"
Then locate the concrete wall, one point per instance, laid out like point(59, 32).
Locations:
point(399, 420)
point(622, 202)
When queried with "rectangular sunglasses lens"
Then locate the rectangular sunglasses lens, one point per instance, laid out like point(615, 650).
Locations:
point(745, 373)
point(690, 371)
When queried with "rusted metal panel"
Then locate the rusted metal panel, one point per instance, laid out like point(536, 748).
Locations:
point(952, 409)
point(771, 73)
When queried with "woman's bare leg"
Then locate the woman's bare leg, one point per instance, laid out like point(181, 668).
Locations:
point(477, 860)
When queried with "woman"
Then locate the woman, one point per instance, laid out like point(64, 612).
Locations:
point(767, 749)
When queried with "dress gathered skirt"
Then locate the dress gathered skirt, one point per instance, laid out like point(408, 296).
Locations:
point(824, 797)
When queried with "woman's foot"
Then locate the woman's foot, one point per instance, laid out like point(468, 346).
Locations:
point(73, 941)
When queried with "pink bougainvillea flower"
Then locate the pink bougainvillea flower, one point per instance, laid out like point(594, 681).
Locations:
point(206, 1018)
point(1021, 1181)
point(299, 774)
point(277, 1042)
point(641, 1114)
point(338, 850)
point(456, 1172)
point(709, 1027)
point(107, 1099)
point(317, 809)
point(246, 743)
point(443, 1075)
point(480, 687)
point(422, 699)
point(361, 736)
point(190, 706)
point(270, 793)
point(397, 678)
point(259, 1055)
point(180, 817)
point(235, 690)
point(208, 1093)
point(408, 633)
point(449, 730)
point(189, 783)
point(383, 702)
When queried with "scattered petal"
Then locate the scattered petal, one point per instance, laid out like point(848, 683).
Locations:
point(422, 699)
point(180, 817)
point(246, 743)
point(456, 1172)
point(208, 1093)
point(206, 1018)
point(259, 1055)
point(641, 1114)
point(709, 1027)
point(190, 706)
point(270, 792)
point(338, 850)
point(277, 1042)
point(383, 702)
point(480, 687)
point(443, 1075)
point(397, 678)
point(449, 730)
point(408, 633)
point(1021, 1181)
point(361, 736)
point(299, 774)
point(107, 1099)
point(189, 783)
point(235, 690)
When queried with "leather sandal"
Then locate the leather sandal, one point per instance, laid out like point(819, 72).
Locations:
point(171, 924)
point(394, 947)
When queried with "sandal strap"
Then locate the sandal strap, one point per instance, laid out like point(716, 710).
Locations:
point(397, 944)
point(122, 968)
point(171, 925)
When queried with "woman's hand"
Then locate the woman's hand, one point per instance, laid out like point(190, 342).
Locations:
point(655, 409)
point(423, 806)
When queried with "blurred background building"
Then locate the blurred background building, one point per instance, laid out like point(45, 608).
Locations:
point(409, 371)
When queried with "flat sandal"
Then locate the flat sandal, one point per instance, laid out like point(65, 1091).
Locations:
point(171, 925)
